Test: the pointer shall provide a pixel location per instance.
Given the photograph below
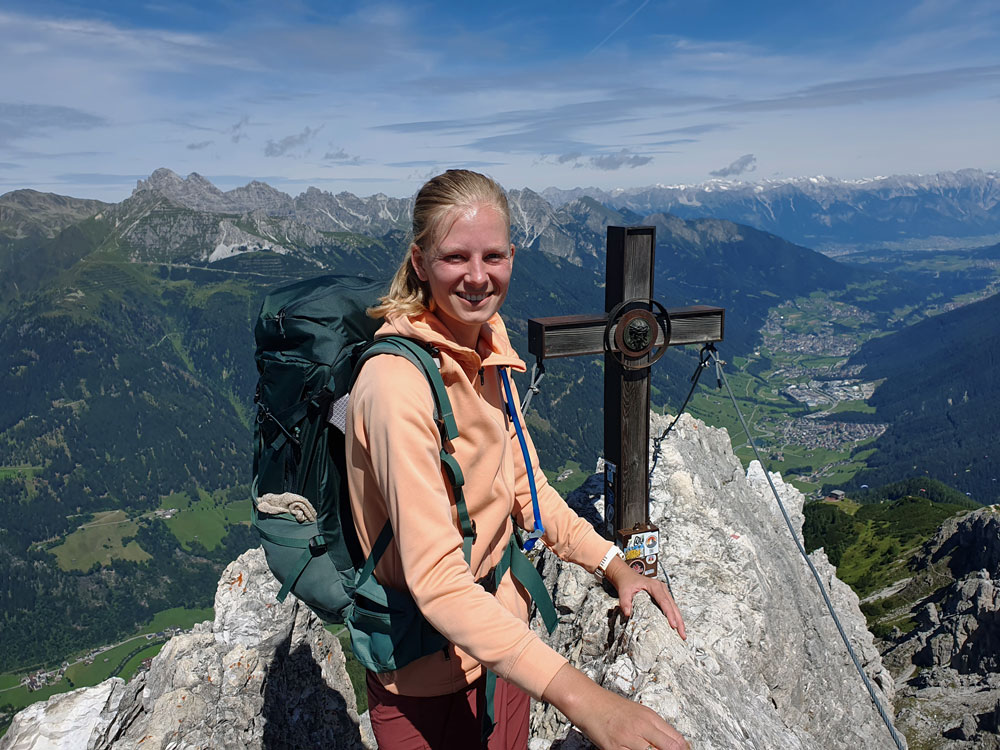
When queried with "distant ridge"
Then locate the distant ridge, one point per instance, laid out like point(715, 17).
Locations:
point(821, 212)
point(827, 213)
point(29, 214)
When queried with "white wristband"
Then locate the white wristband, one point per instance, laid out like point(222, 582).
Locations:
point(606, 561)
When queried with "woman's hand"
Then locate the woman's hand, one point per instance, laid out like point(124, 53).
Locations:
point(610, 721)
point(628, 583)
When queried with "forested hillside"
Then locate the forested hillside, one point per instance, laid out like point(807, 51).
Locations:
point(940, 400)
point(871, 544)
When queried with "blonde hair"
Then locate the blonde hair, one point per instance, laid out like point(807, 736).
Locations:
point(435, 202)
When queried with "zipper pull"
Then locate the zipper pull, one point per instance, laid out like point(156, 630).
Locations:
point(482, 377)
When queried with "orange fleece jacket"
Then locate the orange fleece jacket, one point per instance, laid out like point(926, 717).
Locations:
point(394, 471)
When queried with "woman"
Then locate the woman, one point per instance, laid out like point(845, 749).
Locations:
point(447, 294)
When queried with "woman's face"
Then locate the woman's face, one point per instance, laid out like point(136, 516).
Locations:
point(469, 270)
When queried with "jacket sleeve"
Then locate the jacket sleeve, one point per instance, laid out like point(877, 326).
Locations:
point(571, 537)
point(392, 415)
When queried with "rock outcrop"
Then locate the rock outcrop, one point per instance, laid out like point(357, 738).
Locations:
point(763, 665)
point(949, 663)
point(262, 675)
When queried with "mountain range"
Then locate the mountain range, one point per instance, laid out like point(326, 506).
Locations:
point(825, 213)
point(128, 333)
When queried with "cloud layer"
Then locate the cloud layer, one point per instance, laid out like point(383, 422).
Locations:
point(378, 96)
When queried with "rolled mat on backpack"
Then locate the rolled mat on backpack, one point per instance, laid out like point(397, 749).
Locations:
point(287, 502)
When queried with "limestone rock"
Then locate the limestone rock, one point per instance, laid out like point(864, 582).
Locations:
point(763, 665)
point(65, 721)
point(949, 664)
point(262, 675)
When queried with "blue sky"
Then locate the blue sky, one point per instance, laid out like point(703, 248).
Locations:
point(376, 97)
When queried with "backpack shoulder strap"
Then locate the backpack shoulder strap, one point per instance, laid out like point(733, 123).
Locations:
point(422, 360)
point(443, 416)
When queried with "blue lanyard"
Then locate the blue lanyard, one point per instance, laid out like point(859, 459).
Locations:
point(531, 538)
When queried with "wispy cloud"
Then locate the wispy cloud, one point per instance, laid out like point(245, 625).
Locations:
point(290, 142)
point(440, 165)
point(20, 120)
point(237, 130)
point(700, 129)
point(341, 157)
point(553, 129)
point(99, 178)
point(673, 142)
point(61, 155)
point(746, 163)
point(624, 158)
point(199, 145)
point(864, 90)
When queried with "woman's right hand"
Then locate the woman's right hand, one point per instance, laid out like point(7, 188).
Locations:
point(610, 721)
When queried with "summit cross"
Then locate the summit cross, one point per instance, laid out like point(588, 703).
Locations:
point(634, 332)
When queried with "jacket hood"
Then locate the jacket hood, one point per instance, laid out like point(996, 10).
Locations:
point(492, 350)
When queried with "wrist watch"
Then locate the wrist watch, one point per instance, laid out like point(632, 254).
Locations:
point(602, 567)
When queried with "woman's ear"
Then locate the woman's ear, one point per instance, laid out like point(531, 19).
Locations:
point(417, 261)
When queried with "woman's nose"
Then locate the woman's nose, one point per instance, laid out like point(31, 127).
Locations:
point(475, 271)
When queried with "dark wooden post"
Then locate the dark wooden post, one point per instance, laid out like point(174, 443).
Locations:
point(633, 333)
point(626, 392)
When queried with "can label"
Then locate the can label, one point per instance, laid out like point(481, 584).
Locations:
point(641, 547)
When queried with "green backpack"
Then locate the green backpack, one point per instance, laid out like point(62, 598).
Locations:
point(312, 337)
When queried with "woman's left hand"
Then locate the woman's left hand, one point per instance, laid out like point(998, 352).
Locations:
point(628, 583)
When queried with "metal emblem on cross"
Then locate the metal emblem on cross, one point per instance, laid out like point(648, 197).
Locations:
point(634, 332)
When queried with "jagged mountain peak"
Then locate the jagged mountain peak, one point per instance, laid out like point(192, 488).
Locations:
point(947, 660)
point(193, 191)
point(257, 196)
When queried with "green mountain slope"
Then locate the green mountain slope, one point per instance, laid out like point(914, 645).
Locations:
point(31, 215)
point(940, 399)
point(871, 545)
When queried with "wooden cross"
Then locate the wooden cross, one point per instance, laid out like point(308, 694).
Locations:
point(633, 333)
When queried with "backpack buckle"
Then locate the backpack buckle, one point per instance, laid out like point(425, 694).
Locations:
point(317, 546)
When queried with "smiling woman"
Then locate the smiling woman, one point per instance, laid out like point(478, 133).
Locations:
point(446, 295)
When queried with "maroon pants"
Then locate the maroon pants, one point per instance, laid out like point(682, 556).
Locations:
point(448, 722)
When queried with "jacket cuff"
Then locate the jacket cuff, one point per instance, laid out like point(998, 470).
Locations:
point(535, 667)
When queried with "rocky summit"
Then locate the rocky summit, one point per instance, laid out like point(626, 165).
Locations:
point(948, 665)
point(762, 666)
point(262, 675)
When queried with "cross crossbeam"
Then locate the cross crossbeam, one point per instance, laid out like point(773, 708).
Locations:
point(574, 335)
